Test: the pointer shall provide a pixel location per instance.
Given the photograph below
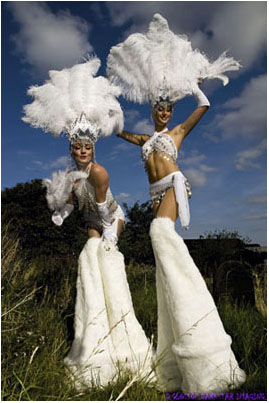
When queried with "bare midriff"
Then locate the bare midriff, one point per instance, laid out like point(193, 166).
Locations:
point(159, 165)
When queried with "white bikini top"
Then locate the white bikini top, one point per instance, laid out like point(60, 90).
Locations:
point(159, 142)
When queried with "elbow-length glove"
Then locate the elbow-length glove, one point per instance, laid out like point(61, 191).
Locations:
point(108, 232)
point(59, 216)
point(200, 97)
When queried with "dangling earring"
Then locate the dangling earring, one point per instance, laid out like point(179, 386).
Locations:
point(93, 153)
point(70, 162)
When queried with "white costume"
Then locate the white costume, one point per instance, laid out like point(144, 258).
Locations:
point(164, 145)
point(108, 337)
point(85, 194)
point(194, 352)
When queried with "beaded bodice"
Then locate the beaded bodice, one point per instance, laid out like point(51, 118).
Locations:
point(159, 142)
point(86, 198)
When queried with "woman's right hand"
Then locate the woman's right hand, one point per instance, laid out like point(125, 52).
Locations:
point(109, 235)
point(57, 218)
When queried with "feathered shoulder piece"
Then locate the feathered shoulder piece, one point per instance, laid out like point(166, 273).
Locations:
point(74, 100)
point(160, 64)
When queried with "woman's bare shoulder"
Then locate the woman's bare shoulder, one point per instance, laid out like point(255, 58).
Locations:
point(98, 172)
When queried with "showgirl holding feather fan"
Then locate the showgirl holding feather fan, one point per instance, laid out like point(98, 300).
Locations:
point(161, 68)
point(107, 333)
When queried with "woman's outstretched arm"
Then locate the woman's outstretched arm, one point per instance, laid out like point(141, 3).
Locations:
point(138, 139)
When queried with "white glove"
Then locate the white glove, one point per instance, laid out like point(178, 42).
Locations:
point(58, 217)
point(200, 97)
point(108, 233)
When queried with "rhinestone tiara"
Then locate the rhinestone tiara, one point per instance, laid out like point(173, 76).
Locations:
point(82, 128)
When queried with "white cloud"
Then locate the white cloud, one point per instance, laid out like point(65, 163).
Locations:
point(38, 163)
point(207, 168)
point(131, 115)
point(118, 149)
point(241, 27)
point(144, 126)
point(60, 162)
point(181, 15)
point(243, 116)
point(195, 170)
point(139, 126)
point(122, 147)
point(256, 217)
point(196, 177)
point(122, 197)
point(211, 26)
point(195, 158)
point(48, 41)
point(261, 199)
point(247, 159)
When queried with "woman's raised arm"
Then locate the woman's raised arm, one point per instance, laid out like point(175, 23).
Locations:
point(138, 139)
point(202, 106)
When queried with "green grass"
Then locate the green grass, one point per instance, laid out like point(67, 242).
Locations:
point(37, 319)
point(248, 330)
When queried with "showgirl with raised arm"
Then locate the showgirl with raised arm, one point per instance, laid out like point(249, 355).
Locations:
point(160, 67)
point(107, 333)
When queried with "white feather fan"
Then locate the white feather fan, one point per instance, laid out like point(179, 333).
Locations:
point(73, 92)
point(60, 187)
point(162, 64)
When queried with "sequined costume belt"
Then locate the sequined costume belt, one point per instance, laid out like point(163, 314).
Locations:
point(182, 192)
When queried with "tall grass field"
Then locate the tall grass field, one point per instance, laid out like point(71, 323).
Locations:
point(38, 300)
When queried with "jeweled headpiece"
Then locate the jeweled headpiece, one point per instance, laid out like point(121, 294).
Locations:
point(161, 64)
point(83, 129)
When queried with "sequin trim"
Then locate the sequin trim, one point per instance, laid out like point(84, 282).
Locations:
point(162, 143)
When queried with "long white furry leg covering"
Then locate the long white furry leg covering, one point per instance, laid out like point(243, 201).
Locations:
point(91, 359)
point(168, 376)
point(201, 348)
point(132, 347)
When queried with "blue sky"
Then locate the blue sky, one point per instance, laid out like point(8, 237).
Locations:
point(224, 157)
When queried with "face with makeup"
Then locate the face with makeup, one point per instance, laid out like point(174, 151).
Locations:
point(82, 152)
point(162, 114)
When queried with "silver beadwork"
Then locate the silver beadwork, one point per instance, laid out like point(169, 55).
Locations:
point(83, 129)
point(162, 143)
point(86, 199)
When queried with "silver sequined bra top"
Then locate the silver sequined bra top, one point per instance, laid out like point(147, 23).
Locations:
point(86, 198)
point(161, 143)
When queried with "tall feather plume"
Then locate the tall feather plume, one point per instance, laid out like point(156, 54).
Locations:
point(160, 63)
point(68, 94)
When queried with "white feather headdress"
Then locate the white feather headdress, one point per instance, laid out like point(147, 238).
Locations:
point(74, 101)
point(160, 65)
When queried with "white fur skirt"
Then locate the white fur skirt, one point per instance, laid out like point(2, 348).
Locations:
point(193, 349)
point(108, 337)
